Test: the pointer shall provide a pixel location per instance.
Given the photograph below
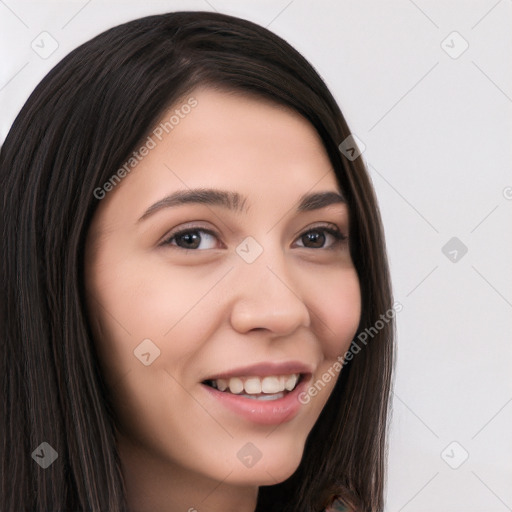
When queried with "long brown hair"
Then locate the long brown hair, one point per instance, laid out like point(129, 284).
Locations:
point(76, 129)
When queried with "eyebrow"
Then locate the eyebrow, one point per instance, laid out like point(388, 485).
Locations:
point(236, 202)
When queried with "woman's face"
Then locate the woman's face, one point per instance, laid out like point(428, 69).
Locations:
point(243, 288)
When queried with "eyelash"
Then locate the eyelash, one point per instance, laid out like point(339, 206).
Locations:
point(339, 237)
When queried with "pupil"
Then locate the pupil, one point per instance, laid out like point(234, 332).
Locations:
point(189, 238)
point(314, 236)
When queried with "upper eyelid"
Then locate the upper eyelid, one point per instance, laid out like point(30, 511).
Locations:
point(197, 227)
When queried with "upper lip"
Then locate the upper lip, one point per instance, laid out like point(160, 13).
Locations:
point(264, 369)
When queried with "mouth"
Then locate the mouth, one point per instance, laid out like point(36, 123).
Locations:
point(263, 400)
point(264, 388)
point(264, 393)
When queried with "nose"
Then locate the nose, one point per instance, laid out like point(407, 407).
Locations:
point(267, 297)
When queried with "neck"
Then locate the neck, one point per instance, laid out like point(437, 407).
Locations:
point(157, 485)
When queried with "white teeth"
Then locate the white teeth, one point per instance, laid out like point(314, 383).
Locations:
point(235, 385)
point(252, 386)
point(272, 385)
point(291, 381)
point(222, 384)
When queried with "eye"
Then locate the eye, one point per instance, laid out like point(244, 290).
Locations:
point(317, 237)
point(191, 238)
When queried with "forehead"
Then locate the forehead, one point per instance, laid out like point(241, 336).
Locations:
point(227, 134)
point(266, 152)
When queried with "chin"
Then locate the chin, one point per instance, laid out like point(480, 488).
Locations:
point(277, 467)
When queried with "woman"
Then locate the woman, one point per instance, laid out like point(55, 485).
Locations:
point(190, 269)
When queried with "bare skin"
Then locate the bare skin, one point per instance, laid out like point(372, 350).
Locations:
point(208, 310)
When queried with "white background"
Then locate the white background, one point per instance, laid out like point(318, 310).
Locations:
point(437, 131)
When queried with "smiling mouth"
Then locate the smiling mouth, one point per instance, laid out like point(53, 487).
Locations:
point(270, 387)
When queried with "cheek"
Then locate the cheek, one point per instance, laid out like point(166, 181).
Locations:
point(339, 307)
point(130, 302)
point(338, 310)
point(120, 310)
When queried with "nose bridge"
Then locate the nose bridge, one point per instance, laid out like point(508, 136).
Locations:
point(267, 295)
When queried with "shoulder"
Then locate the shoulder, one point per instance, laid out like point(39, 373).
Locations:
point(337, 506)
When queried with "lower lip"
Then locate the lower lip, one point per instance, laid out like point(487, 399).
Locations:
point(262, 412)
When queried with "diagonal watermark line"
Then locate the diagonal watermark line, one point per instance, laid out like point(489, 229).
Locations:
point(407, 503)
point(272, 476)
point(279, 13)
point(3, 3)
point(14, 76)
point(199, 403)
point(484, 484)
point(404, 95)
point(494, 288)
point(291, 208)
point(412, 412)
point(325, 325)
point(211, 288)
point(425, 14)
point(423, 280)
point(501, 409)
point(108, 313)
point(492, 81)
point(76, 14)
point(216, 487)
point(403, 197)
point(492, 211)
point(209, 3)
point(487, 13)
